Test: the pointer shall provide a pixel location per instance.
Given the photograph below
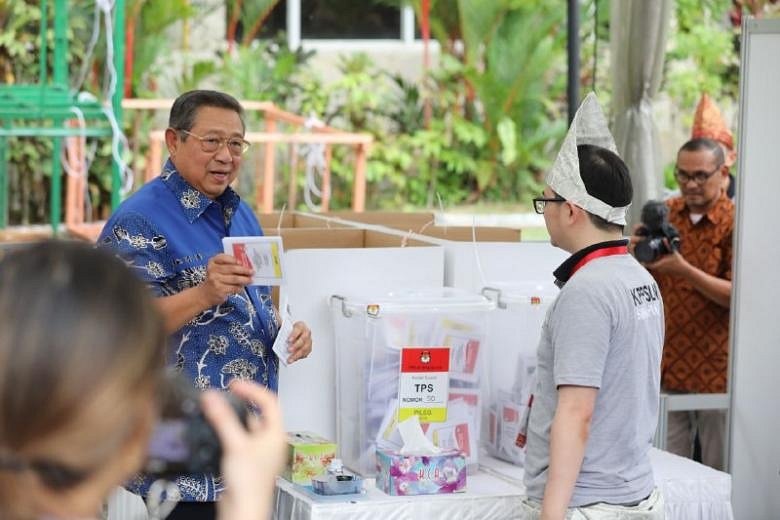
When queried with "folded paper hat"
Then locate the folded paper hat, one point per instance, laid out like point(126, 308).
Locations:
point(708, 122)
point(588, 127)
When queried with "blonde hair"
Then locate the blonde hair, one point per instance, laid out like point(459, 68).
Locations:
point(81, 354)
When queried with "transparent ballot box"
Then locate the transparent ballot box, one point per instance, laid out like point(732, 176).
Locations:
point(371, 331)
point(514, 330)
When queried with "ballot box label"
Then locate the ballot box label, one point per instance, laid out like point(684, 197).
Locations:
point(423, 386)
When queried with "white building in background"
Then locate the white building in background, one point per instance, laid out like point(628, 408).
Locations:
point(396, 48)
point(388, 35)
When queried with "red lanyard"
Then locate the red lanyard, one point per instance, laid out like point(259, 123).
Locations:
point(607, 251)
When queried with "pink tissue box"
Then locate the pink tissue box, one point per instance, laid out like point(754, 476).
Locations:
point(420, 475)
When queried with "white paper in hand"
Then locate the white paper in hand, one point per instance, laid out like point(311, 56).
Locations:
point(281, 345)
point(264, 255)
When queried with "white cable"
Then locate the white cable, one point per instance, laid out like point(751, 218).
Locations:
point(90, 49)
point(82, 138)
point(476, 249)
point(107, 6)
point(118, 137)
point(83, 174)
point(281, 216)
point(314, 155)
point(87, 97)
point(441, 209)
point(161, 499)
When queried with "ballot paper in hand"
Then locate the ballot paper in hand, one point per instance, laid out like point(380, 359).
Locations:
point(264, 255)
point(281, 345)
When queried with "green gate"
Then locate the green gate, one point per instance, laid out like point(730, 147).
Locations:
point(51, 100)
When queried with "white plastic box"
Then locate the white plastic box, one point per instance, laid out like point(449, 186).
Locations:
point(370, 330)
point(320, 262)
point(514, 330)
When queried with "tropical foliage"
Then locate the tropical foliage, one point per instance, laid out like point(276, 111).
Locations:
point(482, 125)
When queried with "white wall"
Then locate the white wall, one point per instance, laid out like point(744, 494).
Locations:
point(755, 340)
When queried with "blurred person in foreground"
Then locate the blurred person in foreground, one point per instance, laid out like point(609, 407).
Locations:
point(596, 398)
point(81, 366)
point(170, 232)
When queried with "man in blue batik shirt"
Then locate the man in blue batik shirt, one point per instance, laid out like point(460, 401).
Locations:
point(171, 233)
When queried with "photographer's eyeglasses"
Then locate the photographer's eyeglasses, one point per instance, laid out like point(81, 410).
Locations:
point(541, 202)
point(210, 144)
point(699, 177)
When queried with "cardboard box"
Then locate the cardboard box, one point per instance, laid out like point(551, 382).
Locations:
point(339, 238)
point(421, 223)
point(404, 221)
point(466, 234)
point(424, 223)
point(308, 456)
point(295, 219)
point(405, 475)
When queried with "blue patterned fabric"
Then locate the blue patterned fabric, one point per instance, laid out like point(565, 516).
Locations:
point(167, 232)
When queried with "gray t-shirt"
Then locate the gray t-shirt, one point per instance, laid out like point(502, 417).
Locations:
point(605, 330)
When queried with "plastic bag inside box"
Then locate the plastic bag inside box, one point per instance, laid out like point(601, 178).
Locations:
point(514, 329)
point(370, 331)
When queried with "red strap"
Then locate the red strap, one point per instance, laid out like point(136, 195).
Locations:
point(607, 251)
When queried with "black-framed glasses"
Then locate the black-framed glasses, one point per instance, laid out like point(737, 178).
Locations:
point(700, 177)
point(541, 202)
point(211, 143)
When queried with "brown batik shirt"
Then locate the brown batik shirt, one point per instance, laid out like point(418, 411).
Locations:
point(695, 357)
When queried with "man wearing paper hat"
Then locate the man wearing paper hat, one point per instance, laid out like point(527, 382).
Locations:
point(595, 404)
point(708, 122)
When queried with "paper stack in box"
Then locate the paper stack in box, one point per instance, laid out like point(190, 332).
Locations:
point(308, 456)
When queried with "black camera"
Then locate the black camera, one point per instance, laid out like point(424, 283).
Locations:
point(656, 228)
point(183, 441)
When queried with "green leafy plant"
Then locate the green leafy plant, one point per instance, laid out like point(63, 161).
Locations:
point(265, 70)
point(147, 23)
point(702, 56)
point(504, 61)
point(252, 15)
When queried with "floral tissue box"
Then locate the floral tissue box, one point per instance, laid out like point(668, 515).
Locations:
point(308, 456)
point(420, 475)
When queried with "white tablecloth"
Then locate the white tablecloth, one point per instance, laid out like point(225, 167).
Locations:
point(487, 498)
point(691, 491)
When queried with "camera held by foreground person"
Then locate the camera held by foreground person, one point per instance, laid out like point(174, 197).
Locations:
point(661, 237)
point(183, 441)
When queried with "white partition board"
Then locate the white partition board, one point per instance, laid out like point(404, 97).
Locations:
point(471, 266)
point(754, 452)
point(307, 389)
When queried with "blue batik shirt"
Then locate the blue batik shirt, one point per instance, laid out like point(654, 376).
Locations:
point(167, 232)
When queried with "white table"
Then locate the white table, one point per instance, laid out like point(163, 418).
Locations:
point(487, 497)
point(691, 491)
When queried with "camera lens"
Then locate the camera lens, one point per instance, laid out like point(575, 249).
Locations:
point(649, 250)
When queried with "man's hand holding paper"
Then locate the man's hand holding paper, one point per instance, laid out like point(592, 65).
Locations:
point(224, 276)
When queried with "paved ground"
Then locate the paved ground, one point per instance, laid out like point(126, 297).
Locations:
point(531, 223)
